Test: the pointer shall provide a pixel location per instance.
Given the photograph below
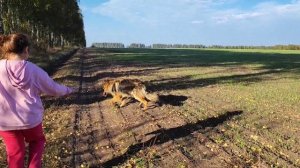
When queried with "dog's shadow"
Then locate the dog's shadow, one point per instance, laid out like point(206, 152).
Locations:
point(172, 100)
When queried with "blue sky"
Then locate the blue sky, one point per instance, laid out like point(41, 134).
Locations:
point(208, 22)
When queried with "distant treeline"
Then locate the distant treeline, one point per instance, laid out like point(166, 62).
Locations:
point(137, 45)
point(164, 46)
point(276, 47)
point(177, 46)
point(108, 45)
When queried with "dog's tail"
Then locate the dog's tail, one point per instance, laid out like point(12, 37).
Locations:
point(153, 97)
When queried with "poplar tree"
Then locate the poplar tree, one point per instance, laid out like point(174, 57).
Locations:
point(50, 23)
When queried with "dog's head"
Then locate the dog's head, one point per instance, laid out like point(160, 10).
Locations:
point(107, 87)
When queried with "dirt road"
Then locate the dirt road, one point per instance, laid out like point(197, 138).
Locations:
point(95, 134)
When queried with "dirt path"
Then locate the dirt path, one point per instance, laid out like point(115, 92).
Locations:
point(105, 136)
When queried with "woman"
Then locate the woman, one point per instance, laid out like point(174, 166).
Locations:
point(21, 109)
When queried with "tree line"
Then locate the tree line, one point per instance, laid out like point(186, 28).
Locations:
point(165, 46)
point(50, 23)
point(177, 46)
point(275, 47)
point(108, 45)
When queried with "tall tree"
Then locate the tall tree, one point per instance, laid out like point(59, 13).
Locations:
point(51, 23)
point(1, 21)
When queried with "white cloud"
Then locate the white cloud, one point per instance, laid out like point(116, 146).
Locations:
point(208, 21)
point(248, 15)
point(263, 11)
point(233, 16)
point(279, 9)
point(220, 19)
point(157, 12)
point(197, 21)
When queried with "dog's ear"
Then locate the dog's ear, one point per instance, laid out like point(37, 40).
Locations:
point(100, 84)
point(103, 82)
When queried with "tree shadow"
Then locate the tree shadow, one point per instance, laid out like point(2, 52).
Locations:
point(100, 75)
point(162, 136)
point(74, 98)
point(101, 63)
point(172, 100)
point(198, 57)
point(164, 84)
point(187, 82)
point(55, 61)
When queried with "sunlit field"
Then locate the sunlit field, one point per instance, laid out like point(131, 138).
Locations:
point(199, 89)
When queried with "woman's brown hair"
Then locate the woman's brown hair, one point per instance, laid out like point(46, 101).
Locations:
point(13, 43)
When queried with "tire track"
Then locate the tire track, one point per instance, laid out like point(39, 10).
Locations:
point(75, 157)
point(111, 147)
point(83, 134)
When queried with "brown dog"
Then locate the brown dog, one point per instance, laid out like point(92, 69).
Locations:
point(123, 90)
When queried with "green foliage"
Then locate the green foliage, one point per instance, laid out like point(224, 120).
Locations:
point(50, 23)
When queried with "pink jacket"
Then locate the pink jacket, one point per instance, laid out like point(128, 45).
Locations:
point(21, 83)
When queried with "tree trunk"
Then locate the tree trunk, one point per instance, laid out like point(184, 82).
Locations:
point(1, 19)
point(1, 26)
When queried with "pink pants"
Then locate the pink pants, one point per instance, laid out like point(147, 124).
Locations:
point(15, 146)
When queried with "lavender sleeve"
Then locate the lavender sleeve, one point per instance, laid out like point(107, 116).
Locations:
point(48, 86)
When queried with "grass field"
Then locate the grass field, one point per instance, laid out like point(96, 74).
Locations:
point(198, 87)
